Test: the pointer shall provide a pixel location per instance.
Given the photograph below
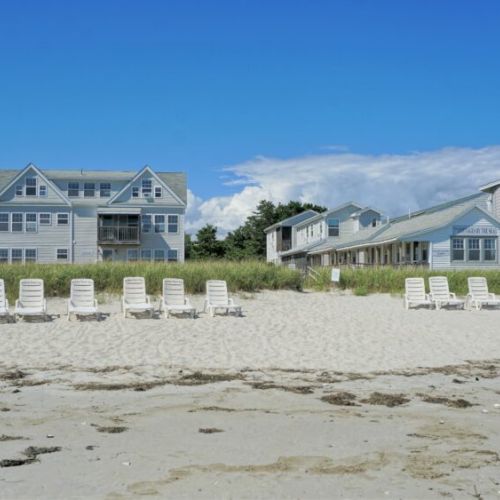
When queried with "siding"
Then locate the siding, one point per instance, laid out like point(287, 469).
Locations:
point(116, 186)
point(85, 234)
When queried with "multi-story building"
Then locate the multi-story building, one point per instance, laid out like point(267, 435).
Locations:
point(58, 216)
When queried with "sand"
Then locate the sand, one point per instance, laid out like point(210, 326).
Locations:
point(287, 402)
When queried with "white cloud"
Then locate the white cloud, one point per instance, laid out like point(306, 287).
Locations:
point(392, 183)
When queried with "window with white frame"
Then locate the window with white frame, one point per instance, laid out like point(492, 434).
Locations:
point(30, 255)
point(147, 187)
point(45, 219)
point(159, 255)
point(62, 219)
point(146, 254)
point(172, 255)
point(333, 227)
point(135, 192)
point(31, 223)
point(42, 190)
point(16, 255)
point(73, 189)
point(62, 254)
point(159, 223)
point(105, 189)
point(4, 222)
point(146, 223)
point(4, 255)
point(19, 190)
point(17, 222)
point(474, 249)
point(490, 249)
point(89, 189)
point(173, 224)
point(457, 249)
point(31, 185)
point(132, 254)
point(158, 192)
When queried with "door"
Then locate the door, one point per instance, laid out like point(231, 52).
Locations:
point(107, 254)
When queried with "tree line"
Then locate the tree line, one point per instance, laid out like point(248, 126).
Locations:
point(247, 241)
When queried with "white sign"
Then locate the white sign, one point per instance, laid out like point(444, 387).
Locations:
point(475, 230)
point(335, 274)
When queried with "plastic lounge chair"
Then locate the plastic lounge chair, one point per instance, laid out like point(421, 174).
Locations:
point(31, 301)
point(479, 294)
point(134, 298)
point(440, 293)
point(4, 303)
point(217, 298)
point(415, 293)
point(82, 301)
point(174, 300)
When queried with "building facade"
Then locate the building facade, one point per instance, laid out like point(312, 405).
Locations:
point(459, 234)
point(77, 216)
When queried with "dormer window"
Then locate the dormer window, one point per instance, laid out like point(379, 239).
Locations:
point(31, 186)
point(333, 227)
point(374, 223)
point(19, 190)
point(42, 190)
point(158, 192)
point(147, 188)
point(135, 192)
point(73, 189)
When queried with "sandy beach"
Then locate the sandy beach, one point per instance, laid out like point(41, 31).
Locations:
point(309, 395)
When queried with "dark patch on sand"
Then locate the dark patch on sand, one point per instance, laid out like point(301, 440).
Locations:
point(4, 437)
point(297, 389)
point(130, 386)
point(441, 400)
point(34, 451)
point(13, 375)
point(342, 398)
point(116, 429)
point(199, 378)
point(16, 462)
point(390, 400)
point(209, 430)
point(212, 408)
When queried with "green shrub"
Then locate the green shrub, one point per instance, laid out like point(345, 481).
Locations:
point(361, 291)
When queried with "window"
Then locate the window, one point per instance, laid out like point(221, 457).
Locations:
point(16, 255)
point(19, 190)
point(135, 192)
point(474, 249)
point(146, 254)
point(42, 190)
point(4, 222)
point(374, 222)
point(107, 255)
point(62, 254)
point(172, 255)
point(333, 227)
point(4, 255)
point(147, 187)
point(159, 255)
point(31, 223)
point(105, 190)
point(30, 186)
point(17, 223)
point(457, 248)
point(158, 192)
point(490, 249)
point(89, 190)
point(30, 255)
point(146, 223)
point(132, 254)
point(159, 223)
point(73, 189)
point(45, 219)
point(62, 219)
point(173, 224)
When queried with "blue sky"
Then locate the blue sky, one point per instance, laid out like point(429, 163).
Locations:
point(199, 86)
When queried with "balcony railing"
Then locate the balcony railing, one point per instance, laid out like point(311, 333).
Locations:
point(112, 235)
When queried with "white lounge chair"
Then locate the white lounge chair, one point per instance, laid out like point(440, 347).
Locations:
point(31, 301)
point(174, 300)
point(134, 298)
point(415, 293)
point(440, 293)
point(217, 298)
point(82, 301)
point(479, 294)
point(4, 303)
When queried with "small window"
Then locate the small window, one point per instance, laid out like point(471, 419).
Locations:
point(30, 255)
point(490, 249)
point(135, 192)
point(89, 190)
point(73, 189)
point(374, 222)
point(62, 219)
point(105, 190)
point(333, 227)
point(62, 254)
point(159, 223)
point(4, 222)
point(31, 186)
point(19, 190)
point(158, 192)
point(31, 223)
point(173, 224)
point(42, 190)
point(17, 223)
point(172, 255)
point(146, 254)
point(474, 249)
point(159, 255)
point(147, 187)
point(132, 254)
point(45, 219)
point(146, 223)
point(16, 255)
point(4, 255)
point(458, 249)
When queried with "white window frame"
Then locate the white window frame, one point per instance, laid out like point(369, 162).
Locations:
point(19, 190)
point(77, 189)
point(131, 250)
point(87, 189)
point(494, 249)
point(66, 249)
point(154, 254)
point(12, 222)
point(35, 187)
point(478, 249)
point(35, 222)
point(337, 226)
point(149, 225)
point(45, 190)
point(150, 251)
point(136, 191)
point(12, 253)
point(158, 192)
point(64, 214)
point(8, 222)
point(176, 255)
point(158, 224)
point(463, 249)
point(101, 189)
point(40, 223)
point(147, 189)
point(36, 255)
point(8, 255)
point(172, 223)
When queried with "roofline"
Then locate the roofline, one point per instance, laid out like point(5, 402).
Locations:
point(281, 223)
point(330, 210)
point(490, 185)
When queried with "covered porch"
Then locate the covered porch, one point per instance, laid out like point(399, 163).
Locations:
point(118, 226)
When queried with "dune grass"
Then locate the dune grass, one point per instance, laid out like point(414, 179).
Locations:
point(249, 276)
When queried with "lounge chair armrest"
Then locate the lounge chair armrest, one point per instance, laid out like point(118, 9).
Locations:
point(7, 303)
point(148, 299)
point(492, 296)
point(44, 304)
point(18, 303)
point(453, 295)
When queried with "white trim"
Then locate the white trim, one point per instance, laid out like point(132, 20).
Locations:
point(57, 218)
point(26, 222)
point(8, 255)
point(8, 222)
point(67, 254)
point(44, 213)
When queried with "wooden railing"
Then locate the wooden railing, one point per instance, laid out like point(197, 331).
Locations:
point(118, 234)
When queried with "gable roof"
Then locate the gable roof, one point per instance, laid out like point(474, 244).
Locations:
point(490, 187)
point(294, 219)
point(326, 213)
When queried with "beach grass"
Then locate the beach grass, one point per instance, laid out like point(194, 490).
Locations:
point(247, 276)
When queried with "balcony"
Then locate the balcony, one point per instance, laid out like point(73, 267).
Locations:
point(119, 235)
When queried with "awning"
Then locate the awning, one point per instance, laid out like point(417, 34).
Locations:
point(118, 211)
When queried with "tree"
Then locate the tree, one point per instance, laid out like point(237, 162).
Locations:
point(207, 246)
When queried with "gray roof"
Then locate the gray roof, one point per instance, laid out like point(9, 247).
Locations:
point(176, 181)
point(295, 219)
point(333, 210)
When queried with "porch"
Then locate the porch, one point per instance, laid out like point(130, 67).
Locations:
point(118, 229)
